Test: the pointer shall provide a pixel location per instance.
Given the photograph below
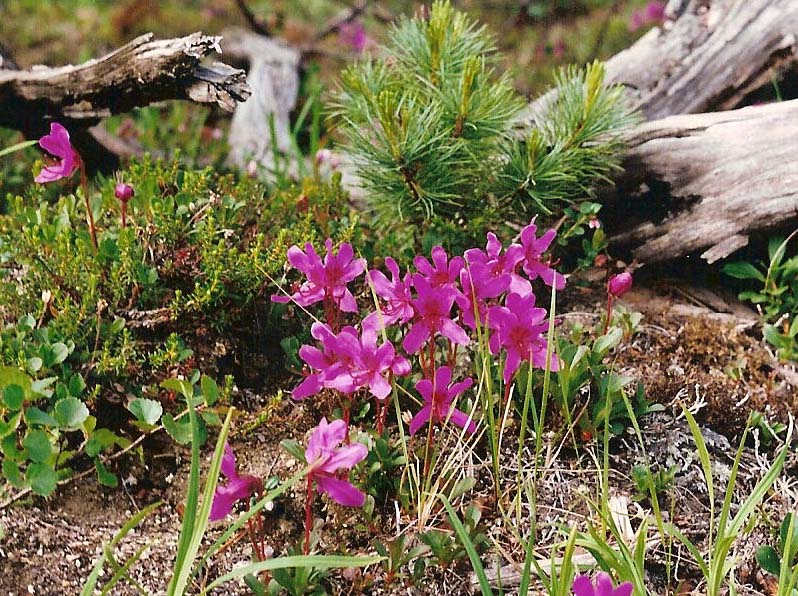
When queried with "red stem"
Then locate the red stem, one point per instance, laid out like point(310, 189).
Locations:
point(308, 515)
point(84, 184)
point(609, 313)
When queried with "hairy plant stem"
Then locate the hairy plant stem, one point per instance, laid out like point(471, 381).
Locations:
point(609, 313)
point(308, 514)
point(84, 184)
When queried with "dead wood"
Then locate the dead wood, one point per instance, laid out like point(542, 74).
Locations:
point(710, 55)
point(139, 73)
point(274, 79)
point(705, 182)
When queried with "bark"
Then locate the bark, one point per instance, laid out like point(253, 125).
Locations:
point(139, 73)
point(705, 182)
point(274, 80)
point(710, 55)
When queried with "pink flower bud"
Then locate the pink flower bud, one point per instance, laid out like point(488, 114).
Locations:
point(619, 284)
point(123, 192)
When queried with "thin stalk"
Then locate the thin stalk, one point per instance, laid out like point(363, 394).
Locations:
point(308, 514)
point(84, 184)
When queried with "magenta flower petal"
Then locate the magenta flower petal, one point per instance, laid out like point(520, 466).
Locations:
point(420, 419)
point(583, 586)
point(57, 143)
point(326, 459)
point(340, 491)
point(229, 462)
point(345, 457)
point(462, 420)
point(419, 333)
point(238, 488)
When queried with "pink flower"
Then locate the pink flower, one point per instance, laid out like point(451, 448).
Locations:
point(438, 402)
point(433, 309)
point(396, 292)
point(353, 34)
point(655, 11)
point(534, 248)
point(602, 587)
point(57, 144)
point(123, 192)
point(326, 280)
point(619, 284)
point(326, 461)
point(442, 271)
point(237, 488)
point(520, 330)
point(488, 274)
point(594, 223)
point(349, 362)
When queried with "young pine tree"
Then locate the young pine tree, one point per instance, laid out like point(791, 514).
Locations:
point(431, 128)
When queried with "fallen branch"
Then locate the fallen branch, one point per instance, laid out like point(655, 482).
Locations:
point(705, 182)
point(710, 55)
point(137, 74)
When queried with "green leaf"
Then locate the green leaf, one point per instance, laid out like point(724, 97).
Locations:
point(210, 390)
point(294, 449)
point(13, 376)
point(42, 479)
point(77, 385)
point(13, 475)
point(312, 561)
point(608, 341)
point(8, 428)
point(104, 475)
point(179, 430)
point(743, 270)
point(59, 353)
point(70, 412)
point(769, 559)
point(211, 418)
point(38, 445)
point(34, 364)
point(13, 397)
point(17, 147)
point(34, 415)
point(148, 411)
point(180, 386)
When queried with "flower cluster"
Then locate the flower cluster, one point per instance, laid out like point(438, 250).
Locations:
point(439, 304)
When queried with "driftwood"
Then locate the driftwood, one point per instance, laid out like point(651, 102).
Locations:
point(137, 74)
point(710, 55)
point(274, 80)
point(705, 182)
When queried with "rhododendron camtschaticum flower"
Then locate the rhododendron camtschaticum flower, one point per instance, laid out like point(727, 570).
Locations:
point(519, 330)
point(238, 488)
point(601, 587)
point(326, 461)
point(398, 307)
point(433, 308)
point(349, 362)
point(326, 280)
point(438, 401)
point(57, 144)
point(534, 248)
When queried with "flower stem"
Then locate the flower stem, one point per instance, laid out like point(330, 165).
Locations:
point(84, 184)
point(609, 314)
point(308, 515)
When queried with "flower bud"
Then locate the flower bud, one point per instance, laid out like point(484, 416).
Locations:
point(619, 284)
point(123, 192)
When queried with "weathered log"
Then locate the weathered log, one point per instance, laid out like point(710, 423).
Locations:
point(709, 55)
point(705, 182)
point(139, 73)
point(274, 80)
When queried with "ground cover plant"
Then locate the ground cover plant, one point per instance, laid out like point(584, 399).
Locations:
point(251, 382)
